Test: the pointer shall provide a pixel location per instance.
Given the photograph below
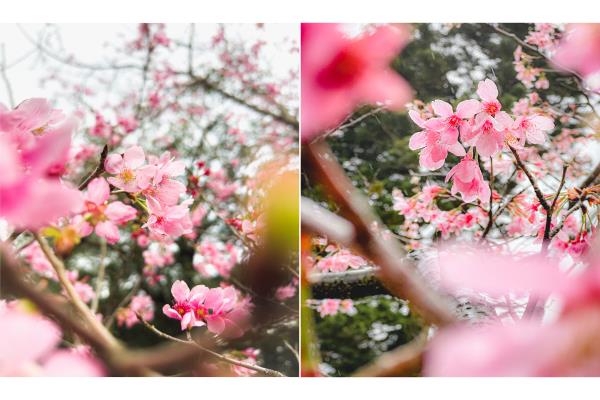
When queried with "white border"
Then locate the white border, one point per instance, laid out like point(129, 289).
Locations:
point(295, 388)
point(298, 11)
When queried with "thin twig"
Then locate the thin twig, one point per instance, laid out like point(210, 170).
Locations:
point(97, 171)
point(192, 342)
point(536, 188)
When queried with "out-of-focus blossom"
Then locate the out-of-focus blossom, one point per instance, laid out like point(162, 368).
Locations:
point(249, 356)
point(579, 49)
point(28, 347)
point(340, 73)
point(566, 346)
point(141, 304)
point(33, 141)
point(340, 261)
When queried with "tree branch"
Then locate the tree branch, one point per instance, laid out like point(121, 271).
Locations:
point(396, 272)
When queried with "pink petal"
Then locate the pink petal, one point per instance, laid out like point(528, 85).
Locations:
point(497, 274)
point(468, 108)
point(416, 117)
point(108, 230)
point(543, 123)
point(442, 108)
point(120, 213)
point(113, 163)
point(216, 325)
point(169, 312)
point(457, 149)
point(417, 140)
point(134, 157)
point(98, 191)
point(180, 291)
point(487, 90)
point(24, 338)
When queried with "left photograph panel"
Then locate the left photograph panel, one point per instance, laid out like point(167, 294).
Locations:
point(149, 200)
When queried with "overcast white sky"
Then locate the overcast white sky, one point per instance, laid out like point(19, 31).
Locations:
point(88, 42)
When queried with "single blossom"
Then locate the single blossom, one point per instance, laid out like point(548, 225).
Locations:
point(433, 149)
point(104, 217)
point(182, 309)
point(468, 180)
point(448, 122)
point(172, 221)
point(488, 92)
point(532, 128)
point(125, 168)
point(340, 73)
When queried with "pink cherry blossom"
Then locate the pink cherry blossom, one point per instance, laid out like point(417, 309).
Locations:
point(285, 292)
point(534, 128)
point(220, 310)
point(249, 356)
point(434, 149)
point(487, 134)
point(340, 261)
point(125, 167)
point(172, 221)
point(104, 216)
point(141, 304)
point(468, 180)
point(488, 92)
point(449, 122)
point(182, 309)
point(340, 73)
point(156, 180)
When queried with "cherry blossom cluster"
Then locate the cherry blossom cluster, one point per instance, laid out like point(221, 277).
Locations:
point(331, 307)
point(481, 125)
point(422, 208)
point(332, 258)
point(216, 258)
point(222, 310)
point(154, 188)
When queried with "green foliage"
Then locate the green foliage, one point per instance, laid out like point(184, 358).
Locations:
point(348, 342)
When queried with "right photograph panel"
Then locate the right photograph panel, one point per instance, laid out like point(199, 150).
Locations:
point(450, 199)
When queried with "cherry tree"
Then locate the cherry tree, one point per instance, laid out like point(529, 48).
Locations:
point(152, 218)
point(494, 247)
